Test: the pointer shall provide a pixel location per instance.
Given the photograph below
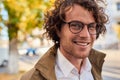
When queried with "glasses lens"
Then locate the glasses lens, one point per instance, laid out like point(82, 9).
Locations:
point(92, 28)
point(76, 27)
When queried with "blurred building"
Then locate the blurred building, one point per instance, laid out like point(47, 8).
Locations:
point(110, 39)
point(115, 10)
point(115, 16)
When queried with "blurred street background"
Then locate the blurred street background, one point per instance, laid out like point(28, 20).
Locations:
point(22, 43)
point(111, 68)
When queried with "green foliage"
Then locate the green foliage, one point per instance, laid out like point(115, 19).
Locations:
point(0, 18)
point(25, 15)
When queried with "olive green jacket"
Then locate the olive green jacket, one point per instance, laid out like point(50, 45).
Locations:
point(45, 67)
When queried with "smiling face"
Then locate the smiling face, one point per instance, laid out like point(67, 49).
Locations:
point(76, 46)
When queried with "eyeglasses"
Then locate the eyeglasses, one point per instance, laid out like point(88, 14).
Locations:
point(77, 26)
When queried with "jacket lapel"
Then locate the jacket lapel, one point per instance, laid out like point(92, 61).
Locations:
point(46, 65)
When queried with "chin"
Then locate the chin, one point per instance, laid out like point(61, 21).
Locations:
point(83, 55)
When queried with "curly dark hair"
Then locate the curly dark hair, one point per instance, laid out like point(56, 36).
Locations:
point(55, 18)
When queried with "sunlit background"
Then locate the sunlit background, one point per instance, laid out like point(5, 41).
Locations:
point(22, 43)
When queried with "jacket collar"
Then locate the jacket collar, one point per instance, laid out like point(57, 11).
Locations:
point(46, 64)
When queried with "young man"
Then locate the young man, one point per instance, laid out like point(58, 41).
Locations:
point(73, 25)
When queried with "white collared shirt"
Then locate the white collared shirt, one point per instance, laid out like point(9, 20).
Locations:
point(66, 71)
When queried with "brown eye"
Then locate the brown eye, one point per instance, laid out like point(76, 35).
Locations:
point(92, 26)
point(76, 25)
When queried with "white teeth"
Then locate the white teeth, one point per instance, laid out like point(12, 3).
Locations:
point(82, 44)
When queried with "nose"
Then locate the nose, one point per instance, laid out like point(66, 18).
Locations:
point(84, 32)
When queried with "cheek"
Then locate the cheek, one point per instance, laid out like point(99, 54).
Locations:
point(65, 32)
point(65, 38)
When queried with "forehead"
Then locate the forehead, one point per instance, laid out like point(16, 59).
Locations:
point(77, 12)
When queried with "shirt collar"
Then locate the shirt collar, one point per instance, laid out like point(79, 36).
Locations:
point(86, 66)
point(66, 66)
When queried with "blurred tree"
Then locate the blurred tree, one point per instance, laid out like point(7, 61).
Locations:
point(24, 15)
point(1, 19)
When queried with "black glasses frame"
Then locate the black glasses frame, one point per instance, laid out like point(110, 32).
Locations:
point(78, 27)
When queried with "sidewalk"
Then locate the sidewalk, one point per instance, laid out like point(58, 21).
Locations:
point(5, 76)
point(25, 64)
point(111, 68)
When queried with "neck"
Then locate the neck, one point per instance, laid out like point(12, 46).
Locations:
point(77, 63)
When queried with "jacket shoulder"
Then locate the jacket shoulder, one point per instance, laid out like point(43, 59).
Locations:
point(28, 74)
point(32, 74)
point(97, 59)
point(97, 53)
